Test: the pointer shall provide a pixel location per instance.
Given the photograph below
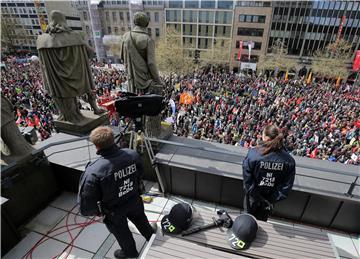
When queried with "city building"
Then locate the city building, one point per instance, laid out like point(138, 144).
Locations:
point(23, 21)
point(203, 25)
point(251, 27)
point(306, 26)
point(115, 18)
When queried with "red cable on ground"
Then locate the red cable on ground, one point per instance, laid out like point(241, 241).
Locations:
point(68, 230)
point(47, 236)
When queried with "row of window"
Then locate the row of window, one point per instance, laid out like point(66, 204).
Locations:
point(222, 17)
point(253, 3)
point(255, 32)
point(211, 4)
point(114, 16)
point(156, 16)
point(202, 43)
point(18, 10)
point(252, 18)
point(123, 2)
point(123, 29)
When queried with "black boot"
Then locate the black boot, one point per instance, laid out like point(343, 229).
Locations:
point(119, 254)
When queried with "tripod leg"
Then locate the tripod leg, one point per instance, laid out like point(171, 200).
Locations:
point(152, 160)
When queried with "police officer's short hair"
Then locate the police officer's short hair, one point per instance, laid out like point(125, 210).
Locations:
point(102, 137)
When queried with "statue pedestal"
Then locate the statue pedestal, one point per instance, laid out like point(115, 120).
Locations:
point(90, 122)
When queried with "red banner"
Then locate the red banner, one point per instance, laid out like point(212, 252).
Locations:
point(239, 52)
point(356, 64)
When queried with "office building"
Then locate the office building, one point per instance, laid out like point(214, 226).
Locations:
point(306, 26)
point(28, 18)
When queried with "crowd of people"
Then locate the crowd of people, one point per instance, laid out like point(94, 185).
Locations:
point(21, 83)
point(318, 120)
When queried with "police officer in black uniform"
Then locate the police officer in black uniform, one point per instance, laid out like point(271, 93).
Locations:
point(269, 173)
point(110, 186)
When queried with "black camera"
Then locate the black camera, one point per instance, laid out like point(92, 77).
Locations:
point(137, 106)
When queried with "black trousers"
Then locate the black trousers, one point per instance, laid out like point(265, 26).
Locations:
point(117, 224)
point(257, 208)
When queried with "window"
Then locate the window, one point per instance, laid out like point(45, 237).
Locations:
point(85, 16)
point(149, 31)
point(107, 16)
point(175, 4)
point(87, 28)
point(128, 16)
point(157, 32)
point(189, 16)
point(206, 16)
point(223, 17)
point(192, 4)
point(225, 4)
point(252, 18)
point(116, 29)
point(156, 16)
point(121, 16)
point(114, 16)
point(109, 29)
point(148, 15)
point(208, 4)
point(173, 15)
point(257, 45)
point(250, 32)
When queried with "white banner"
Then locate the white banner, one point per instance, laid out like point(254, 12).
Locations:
point(247, 65)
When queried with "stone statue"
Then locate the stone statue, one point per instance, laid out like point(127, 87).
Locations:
point(138, 54)
point(64, 58)
point(10, 133)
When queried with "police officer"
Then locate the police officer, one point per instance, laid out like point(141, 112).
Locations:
point(110, 186)
point(269, 173)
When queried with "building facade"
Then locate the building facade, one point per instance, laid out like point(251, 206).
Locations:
point(251, 27)
point(204, 25)
point(24, 20)
point(305, 26)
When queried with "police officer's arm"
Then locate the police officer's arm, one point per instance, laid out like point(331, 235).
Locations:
point(285, 186)
point(89, 195)
point(250, 185)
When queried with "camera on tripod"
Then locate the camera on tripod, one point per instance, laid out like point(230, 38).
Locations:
point(137, 106)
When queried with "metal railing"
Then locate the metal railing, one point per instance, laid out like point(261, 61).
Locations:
point(302, 165)
point(226, 152)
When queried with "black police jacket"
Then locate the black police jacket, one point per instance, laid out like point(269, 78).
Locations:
point(270, 176)
point(112, 179)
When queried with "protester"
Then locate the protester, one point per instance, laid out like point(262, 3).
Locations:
point(212, 104)
point(318, 121)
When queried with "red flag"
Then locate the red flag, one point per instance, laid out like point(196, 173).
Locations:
point(239, 52)
point(356, 64)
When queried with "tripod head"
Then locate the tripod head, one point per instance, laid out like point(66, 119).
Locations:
point(224, 219)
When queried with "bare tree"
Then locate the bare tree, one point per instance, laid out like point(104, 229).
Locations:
point(218, 54)
point(171, 54)
point(332, 60)
point(278, 58)
point(8, 34)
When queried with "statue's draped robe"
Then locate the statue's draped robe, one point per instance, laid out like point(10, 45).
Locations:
point(10, 133)
point(64, 63)
point(138, 55)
